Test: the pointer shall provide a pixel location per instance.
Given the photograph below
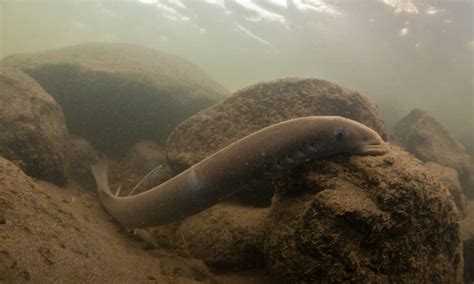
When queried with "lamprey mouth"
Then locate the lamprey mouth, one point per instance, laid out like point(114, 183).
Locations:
point(375, 150)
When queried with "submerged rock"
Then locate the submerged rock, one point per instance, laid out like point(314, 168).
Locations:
point(225, 236)
point(259, 106)
point(449, 178)
point(143, 157)
point(465, 135)
point(355, 218)
point(429, 141)
point(52, 235)
point(468, 237)
point(32, 129)
point(114, 95)
point(384, 219)
point(80, 155)
point(469, 260)
point(256, 107)
point(346, 219)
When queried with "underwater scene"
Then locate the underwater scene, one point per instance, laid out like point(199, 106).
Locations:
point(237, 141)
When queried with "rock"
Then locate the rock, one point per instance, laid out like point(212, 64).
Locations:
point(256, 107)
point(468, 221)
point(429, 141)
point(32, 128)
point(469, 260)
point(143, 157)
point(465, 136)
point(351, 219)
point(225, 236)
point(114, 95)
point(259, 106)
point(53, 235)
point(182, 270)
point(80, 155)
point(468, 244)
point(449, 178)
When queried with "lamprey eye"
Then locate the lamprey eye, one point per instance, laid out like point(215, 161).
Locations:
point(340, 133)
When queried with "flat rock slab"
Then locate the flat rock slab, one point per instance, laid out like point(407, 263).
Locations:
point(32, 128)
point(114, 95)
point(382, 219)
point(259, 106)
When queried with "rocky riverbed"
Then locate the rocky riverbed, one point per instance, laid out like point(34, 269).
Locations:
point(400, 217)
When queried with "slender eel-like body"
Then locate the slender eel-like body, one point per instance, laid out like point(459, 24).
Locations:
point(281, 146)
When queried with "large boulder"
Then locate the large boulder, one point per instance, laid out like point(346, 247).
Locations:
point(429, 141)
point(52, 235)
point(259, 106)
point(32, 129)
point(358, 219)
point(346, 219)
point(114, 95)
